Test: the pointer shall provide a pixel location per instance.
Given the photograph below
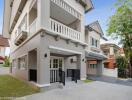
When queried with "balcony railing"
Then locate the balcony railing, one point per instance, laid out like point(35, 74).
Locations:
point(67, 7)
point(64, 30)
point(32, 27)
point(21, 37)
point(17, 9)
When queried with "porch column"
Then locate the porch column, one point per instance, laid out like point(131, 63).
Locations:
point(44, 13)
point(44, 69)
point(82, 66)
point(99, 67)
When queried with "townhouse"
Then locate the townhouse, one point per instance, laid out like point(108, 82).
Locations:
point(93, 53)
point(49, 41)
point(111, 51)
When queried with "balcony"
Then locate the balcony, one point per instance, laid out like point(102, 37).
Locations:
point(87, 4)
point(20, 38)
point(64, 31)
point(17, 8)
point(62, 4)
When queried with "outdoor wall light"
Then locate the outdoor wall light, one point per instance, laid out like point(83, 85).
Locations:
point(82, 59)
point(45, 55)
point(71, 60)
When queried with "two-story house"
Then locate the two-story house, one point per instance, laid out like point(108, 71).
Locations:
point(48, 40)
point(3, 44)
point(94, 55)
point(111, 51)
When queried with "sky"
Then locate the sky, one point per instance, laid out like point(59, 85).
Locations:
point(103, 9)
point(1, 15)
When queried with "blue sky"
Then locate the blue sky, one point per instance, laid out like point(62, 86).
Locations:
point(1, 15)
point(103, 9)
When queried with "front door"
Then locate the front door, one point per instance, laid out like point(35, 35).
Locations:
point(56, 63)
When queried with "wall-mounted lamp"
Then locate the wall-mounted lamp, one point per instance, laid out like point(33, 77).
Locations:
point(45, 55)
point(82, 59)
point(71, 60)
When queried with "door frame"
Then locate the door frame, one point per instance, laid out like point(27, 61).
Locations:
point(56, 57)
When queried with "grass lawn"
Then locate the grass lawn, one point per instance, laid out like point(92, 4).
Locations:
point(12, 87)
point(88, 81)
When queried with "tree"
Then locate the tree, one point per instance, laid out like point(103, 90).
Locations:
point(120, 26)
point(7, 62)
point(121, 64)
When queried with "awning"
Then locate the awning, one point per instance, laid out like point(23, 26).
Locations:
point(92, 55)
point(4, 42)
point(1, 58)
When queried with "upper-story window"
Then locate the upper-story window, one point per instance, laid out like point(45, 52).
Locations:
point(22, 62)
point(94, 42)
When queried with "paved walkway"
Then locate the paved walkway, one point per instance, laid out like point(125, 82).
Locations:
point(4, 70)
point(91, 91)
point(112, 80)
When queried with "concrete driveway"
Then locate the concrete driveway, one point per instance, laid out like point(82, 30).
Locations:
point(113, 80)
point(4, 70)
point(90, 91)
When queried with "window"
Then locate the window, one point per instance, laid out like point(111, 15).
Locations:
point(94, 42)
point(55, 63)
point(60, 63)
point(50, 63)
point(14, 63)
point(23, 62)
point(106, 65)
point(93, 66)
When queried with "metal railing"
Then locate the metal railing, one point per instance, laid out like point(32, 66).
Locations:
point(57, 76)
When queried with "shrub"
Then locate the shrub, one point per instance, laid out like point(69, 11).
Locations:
point(121, 63)
point(7, 62)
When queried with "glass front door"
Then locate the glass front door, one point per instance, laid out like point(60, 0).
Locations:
point(57, 63)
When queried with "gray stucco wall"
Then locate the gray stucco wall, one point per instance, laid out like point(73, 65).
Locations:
point(23, 50)
point(42, 45)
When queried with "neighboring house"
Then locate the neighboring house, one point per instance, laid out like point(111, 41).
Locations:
point(111, 51)
point(48, 40)
point(3, 44)
point(94, 55)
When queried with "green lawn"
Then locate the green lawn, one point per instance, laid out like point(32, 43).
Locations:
point(88, 81)
point(12, 87)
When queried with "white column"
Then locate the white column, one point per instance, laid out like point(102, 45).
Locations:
point(99, 67)
point(111, 51)
point(82, 66)
point(44, 13)
point(44, 65)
